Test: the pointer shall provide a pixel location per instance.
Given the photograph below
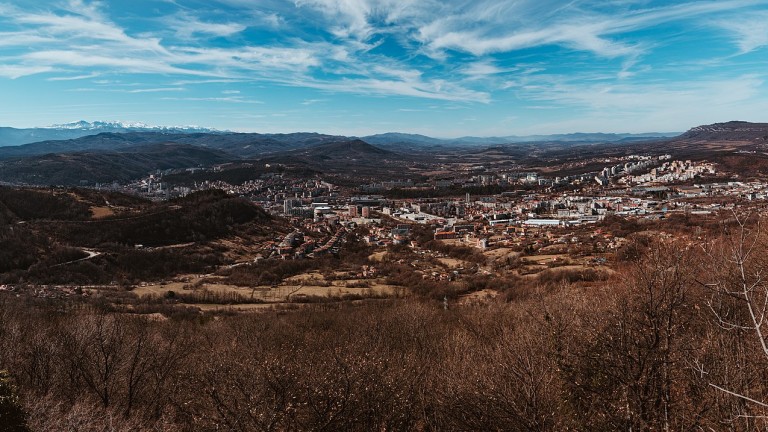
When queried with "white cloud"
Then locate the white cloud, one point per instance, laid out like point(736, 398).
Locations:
point(646, 107)
point(707, 93)
point(18, 71)
point(313, 101)
point(230, 99)
point(481, 69)
point(10, 39)
point(250, 57)
point(84, 23)
point(750, 32)
point(74, 78)
point(156, 90)
point(83, 58)
point(187, 26)
point(351, 16)
point(435, 89)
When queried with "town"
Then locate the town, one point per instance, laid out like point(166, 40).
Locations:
point(632, 187)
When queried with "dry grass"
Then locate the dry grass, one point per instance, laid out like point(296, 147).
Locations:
point(544, 259)
point(454, 263)
point(295, 286)
point(101, 212)
point(378, 256)
point(478, 297)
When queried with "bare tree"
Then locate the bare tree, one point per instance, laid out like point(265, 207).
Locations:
point(628, 373)
point(738, 300)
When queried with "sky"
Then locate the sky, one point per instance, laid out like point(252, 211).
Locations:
point(356, 67)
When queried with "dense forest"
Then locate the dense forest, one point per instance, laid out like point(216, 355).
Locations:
point(675, 340)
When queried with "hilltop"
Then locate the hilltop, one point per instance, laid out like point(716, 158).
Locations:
point(342, 150)
point(729, 131)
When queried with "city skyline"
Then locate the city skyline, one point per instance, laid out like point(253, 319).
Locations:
point(359, 67)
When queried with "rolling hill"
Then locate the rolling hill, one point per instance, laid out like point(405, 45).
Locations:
point(729, 131)
point(237, 144)
point(351, 150)
point(102, 167)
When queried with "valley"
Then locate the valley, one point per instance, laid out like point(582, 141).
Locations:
point(401, 263)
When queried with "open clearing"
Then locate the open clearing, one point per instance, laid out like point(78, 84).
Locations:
point(378, 256)
point(453, 263)
point(292, 288)
point(101, 212)
point(544, 259)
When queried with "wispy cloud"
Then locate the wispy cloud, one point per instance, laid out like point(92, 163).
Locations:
point(434, 89)
point(74, 78)
point(491, 27)
point(18, 71)
point(231, 99)
point(750, 32)
point(157, 90)
point(188, 26)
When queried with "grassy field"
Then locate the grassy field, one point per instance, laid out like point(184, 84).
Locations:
point(311, 284)
point(453, 263)
point(101, 212)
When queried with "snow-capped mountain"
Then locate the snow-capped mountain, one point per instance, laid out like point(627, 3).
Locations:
point(13, 136)
point(112, 126)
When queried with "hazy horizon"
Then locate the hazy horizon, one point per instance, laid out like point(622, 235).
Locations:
point(141, 125)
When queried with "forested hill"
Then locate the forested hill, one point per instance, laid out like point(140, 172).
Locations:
point(71, 169)
point(136, 240)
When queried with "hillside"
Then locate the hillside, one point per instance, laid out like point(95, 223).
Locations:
point(352, 159)
point(738, 138)
point(40, 229)
point(236, 144)
point(343, 150)
point(737, 146)
point(729, 131)
point(104, 167)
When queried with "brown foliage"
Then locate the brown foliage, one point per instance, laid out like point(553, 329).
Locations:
point(640, 351)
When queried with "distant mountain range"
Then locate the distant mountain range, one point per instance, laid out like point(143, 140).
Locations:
point(400, 138)
point(68, 131)
point(116, 126)
point(13, 137)
point(136, 149)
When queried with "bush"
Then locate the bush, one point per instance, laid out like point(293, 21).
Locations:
point(12, 416)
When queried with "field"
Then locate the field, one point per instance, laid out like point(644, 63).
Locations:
point(299, 288)
point(101, 212)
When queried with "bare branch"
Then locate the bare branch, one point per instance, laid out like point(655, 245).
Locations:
point(739, 395)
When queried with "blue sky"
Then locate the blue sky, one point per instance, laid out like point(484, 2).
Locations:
point(355, 67)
